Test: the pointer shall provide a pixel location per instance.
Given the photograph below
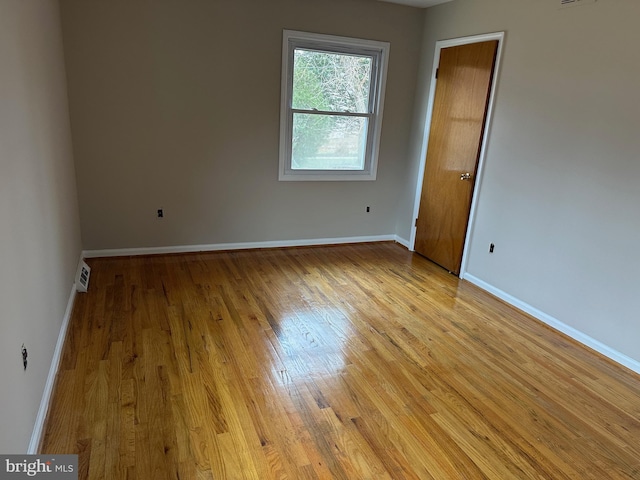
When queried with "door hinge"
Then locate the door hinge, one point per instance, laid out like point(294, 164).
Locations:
point(437, 72)
point(416, 223)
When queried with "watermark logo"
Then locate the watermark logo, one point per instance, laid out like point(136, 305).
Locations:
point(52, 467)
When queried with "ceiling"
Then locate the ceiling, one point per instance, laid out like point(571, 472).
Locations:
point(417, 3)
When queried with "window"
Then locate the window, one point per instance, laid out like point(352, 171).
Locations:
point(331, 106)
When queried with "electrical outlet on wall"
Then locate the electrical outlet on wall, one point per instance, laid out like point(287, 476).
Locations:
point(24, 356)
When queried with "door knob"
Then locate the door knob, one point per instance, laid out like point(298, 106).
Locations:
point(465, 176)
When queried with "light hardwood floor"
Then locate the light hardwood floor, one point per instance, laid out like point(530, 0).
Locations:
point(346, 362)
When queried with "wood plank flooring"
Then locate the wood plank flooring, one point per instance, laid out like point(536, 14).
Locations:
point(344, 362)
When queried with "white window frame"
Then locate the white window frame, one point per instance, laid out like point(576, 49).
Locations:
point(379, 51)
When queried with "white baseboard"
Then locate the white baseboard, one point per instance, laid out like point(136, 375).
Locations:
point(38, 429)
point(125, 252)
point(577, 335)
point(402, 241)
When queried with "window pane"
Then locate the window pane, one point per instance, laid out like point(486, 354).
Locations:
point(328, 142)
point(332, 82)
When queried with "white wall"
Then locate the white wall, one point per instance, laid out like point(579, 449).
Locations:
point(561, 187)
point(175, 104)
point(40, 233)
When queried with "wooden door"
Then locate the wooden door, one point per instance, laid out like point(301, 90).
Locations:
point(462, 91)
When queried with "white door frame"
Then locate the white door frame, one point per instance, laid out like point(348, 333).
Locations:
point(440, 44)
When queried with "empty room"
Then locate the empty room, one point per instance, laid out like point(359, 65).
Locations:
point(323, 239)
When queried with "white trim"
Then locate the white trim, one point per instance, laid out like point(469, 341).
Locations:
point(556, 324)
point(125, 252)
point(402, 241)
point(380, 52)
point(425, 140)
point(483, 150)
point(38, 428)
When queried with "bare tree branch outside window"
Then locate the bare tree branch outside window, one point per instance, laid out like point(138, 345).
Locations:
point(329, 85)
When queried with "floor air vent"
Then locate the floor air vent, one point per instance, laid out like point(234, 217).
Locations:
point(82, 278)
